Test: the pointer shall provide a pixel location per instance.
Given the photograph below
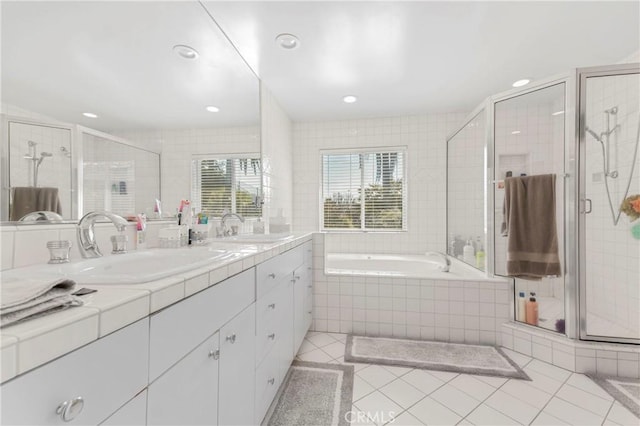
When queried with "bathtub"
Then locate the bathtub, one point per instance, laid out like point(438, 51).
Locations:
point(398, 265)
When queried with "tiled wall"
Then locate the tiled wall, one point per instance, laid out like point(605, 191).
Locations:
point(277, 158)
point(603, 359)
point(612, 267)
point(179, 145)
point(423, 135)
point(537, 148)
point(443, 310)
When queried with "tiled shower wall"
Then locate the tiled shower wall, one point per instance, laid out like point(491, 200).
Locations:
point(423, 135)
point(461, 311)
point(613, 267)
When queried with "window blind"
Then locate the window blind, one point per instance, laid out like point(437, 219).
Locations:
point(227, 184)
point(364, 190)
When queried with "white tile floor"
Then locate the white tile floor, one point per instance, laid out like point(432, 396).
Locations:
point(421, 397)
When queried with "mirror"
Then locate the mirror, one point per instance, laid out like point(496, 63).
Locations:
point(466, 165)
point(161, 78)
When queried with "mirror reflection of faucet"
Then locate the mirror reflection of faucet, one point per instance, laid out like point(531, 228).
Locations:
point(226, 231)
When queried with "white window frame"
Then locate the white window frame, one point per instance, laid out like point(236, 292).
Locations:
point(196, 202)
point(369, 150)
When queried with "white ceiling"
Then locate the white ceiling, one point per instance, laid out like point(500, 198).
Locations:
point(417, 57)
point(115, 59)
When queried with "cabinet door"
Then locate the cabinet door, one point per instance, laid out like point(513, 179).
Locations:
point(133, 413)
point(237, 369)
point(187, 394)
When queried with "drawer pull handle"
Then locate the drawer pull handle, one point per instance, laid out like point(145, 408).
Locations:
point(272, 336)
point(271, 381)
point(309, 286)
point(231, 338)
point(215, 354)
point(272, 275)
point(68, 410)
point(308, 268)
point(272, 306)
point(309, 312)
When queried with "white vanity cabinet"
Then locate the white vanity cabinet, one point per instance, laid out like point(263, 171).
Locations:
point(187, 394)
point(133, 413)
point(83, 387)
point(237, 373)
point(303, 296)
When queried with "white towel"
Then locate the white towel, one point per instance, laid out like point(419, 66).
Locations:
point(23, 298)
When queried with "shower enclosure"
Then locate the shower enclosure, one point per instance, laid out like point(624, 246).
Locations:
point(582, 127)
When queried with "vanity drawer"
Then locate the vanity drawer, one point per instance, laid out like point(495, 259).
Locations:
point(176, 330)
point(275, 270)
point(105, 374)
point(268, 381)
point(272, 322)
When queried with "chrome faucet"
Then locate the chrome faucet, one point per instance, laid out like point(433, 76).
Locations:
point(223, 222)
point(444, 257)
point(86, 237)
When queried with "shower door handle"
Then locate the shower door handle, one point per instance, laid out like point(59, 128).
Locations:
point(587, 201)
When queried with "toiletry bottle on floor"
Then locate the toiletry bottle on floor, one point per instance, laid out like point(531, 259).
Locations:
point(532, 310)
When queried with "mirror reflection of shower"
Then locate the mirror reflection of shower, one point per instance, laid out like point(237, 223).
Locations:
point(604, 138)
point(36, 160)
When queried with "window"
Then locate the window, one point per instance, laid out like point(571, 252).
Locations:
point(231, 184)
point(364, 190)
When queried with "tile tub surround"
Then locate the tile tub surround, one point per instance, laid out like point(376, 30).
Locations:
point(599, 358)
point(34, 342)
point(457, 311)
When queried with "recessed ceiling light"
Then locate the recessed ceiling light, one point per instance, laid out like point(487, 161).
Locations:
point(515, 132)
point(212, 108)
point(186, 52)
point(557, 113)
point(89, 114)
point(349, 99)
point(521, 83)
point(288, 41)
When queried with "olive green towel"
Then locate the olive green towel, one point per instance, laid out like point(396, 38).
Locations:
point(530, 219)
point(28, 199)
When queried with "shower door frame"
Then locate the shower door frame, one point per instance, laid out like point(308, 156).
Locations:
point(581, 79)
point(570, 257)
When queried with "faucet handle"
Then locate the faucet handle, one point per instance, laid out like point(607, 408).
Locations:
point(59, 251)
point(119, 243)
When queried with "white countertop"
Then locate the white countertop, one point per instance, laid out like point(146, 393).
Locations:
point(34, 342)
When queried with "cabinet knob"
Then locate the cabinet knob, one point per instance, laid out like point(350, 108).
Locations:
point(271, 381)
point(308, 268)
point(272, 306)
point(215, 354)
point(272, 275)
point(68, 410)
point(272, 336)
point(309, 286)
point(231, 338)
point(296, 277)
point(309, 312)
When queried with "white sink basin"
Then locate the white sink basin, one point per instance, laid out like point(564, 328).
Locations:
point(256, 238)
point(130, 268)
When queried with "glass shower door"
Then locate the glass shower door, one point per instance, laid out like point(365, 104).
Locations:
point(610, 205)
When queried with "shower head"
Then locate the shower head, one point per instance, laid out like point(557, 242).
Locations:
point(612, 111)
point(32, 143)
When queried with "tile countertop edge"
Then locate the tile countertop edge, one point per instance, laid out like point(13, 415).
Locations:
point(21, 336)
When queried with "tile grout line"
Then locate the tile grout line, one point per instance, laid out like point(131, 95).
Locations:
point(551, 399)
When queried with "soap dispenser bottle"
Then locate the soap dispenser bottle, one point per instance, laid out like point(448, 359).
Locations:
point(522, 302)
point(532, 310)
point(468, 253)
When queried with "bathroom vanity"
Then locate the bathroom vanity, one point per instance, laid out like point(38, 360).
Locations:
point(215, 355)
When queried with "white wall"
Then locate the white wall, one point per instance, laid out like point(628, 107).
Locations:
point(277, 157)
point(423, 135)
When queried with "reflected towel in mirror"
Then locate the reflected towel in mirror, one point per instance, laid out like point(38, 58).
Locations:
point(28, 199)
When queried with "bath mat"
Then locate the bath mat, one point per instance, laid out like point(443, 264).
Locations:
point(427, 355)
point(624, 390)
point(313, 394)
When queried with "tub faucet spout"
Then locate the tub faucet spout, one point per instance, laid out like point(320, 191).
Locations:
point(447, 261)
point(86, 237)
